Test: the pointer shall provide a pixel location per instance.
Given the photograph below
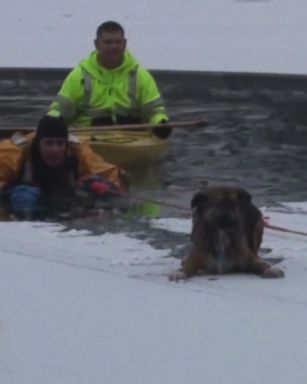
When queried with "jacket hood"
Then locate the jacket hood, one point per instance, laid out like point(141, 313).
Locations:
point(91, 64)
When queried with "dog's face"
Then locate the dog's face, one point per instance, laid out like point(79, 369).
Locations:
point(219, 208)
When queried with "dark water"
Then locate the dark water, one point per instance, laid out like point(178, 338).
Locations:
point(256, 137)
point(247, 143)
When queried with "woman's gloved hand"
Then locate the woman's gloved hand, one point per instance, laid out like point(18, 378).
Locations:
point(24, 199)
point(98, 186)
point(97, 192)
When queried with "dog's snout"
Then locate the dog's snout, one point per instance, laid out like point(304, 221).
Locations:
point(226, 220)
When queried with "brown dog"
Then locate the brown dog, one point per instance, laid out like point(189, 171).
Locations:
point(226, 235)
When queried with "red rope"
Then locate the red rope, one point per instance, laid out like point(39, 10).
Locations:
point(281, 229)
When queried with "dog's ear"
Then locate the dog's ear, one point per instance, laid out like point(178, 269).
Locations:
point(198, 200)
point(243, 196)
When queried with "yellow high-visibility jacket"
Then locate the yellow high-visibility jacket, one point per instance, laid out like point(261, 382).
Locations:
point(15, 160)
point(93, 95)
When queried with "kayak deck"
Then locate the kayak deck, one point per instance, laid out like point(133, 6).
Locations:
point(128, 149)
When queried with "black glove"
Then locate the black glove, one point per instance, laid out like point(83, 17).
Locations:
point(162, 132)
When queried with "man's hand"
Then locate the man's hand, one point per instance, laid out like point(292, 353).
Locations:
point(162, 132)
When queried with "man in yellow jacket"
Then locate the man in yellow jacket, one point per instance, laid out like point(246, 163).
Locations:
point(44, 169)
point(110, 87)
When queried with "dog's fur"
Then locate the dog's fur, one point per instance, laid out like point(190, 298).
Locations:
point(226, 235)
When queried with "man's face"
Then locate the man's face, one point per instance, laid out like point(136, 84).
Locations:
point(111, 47)
point(53, 150)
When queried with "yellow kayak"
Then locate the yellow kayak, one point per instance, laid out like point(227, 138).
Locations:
point(128, 149)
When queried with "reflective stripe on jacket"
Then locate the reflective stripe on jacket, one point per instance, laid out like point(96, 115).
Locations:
point(121, 95)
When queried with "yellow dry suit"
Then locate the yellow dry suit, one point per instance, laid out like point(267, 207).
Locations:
point(15, 161)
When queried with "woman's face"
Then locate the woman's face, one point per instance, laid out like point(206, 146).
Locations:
point(53, 150)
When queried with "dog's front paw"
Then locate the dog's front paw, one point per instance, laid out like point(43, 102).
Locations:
point(177, 275)
point(273, 273)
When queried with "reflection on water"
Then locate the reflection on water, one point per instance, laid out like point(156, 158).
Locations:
point(256, 135)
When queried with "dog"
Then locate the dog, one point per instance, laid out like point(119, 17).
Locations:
point(227, 230)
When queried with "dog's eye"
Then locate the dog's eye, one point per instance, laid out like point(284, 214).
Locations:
point(244, 196)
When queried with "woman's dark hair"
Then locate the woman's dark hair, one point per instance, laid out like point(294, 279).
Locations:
point(51, 126)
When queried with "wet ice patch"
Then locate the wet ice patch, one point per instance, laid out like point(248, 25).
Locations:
point(122, 254)
point(117, 253)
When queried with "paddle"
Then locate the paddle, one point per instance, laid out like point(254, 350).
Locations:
point(173, 124)
point(178, 124)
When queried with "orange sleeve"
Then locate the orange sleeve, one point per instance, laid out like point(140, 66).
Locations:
point(92, 164)
point(10, 162)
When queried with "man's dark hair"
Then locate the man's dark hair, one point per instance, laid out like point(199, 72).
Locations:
point(109, 26)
